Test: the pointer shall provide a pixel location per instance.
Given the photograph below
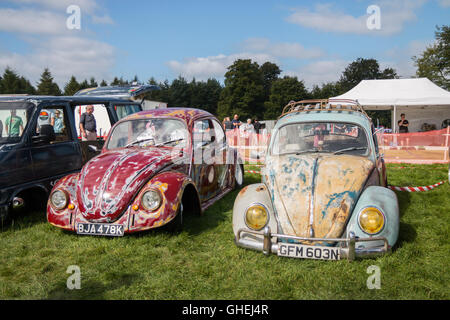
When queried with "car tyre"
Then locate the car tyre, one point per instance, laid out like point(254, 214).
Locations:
point(176, 225)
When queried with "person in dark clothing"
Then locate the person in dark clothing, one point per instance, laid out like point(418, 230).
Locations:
point(1, 128)
point(257, 125)
point(236, 122)
point(403, 124)
point(227, 125)
point(88, 125)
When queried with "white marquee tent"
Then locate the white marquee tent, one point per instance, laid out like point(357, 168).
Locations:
point(420, 99)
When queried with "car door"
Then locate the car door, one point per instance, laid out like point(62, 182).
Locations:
point(15, 156)
point(221, 153)
point(381, 166)
point(60, 154)
point(204, 158)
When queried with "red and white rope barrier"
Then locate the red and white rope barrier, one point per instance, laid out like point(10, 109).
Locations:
point(417, 189)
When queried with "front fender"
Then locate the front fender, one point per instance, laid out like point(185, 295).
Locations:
point(251, 194)
point(171, 185)
point(385, 200)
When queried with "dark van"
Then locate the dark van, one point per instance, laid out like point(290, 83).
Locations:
point(40, 139)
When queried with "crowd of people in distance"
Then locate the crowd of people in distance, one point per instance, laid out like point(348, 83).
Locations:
point(248, 127)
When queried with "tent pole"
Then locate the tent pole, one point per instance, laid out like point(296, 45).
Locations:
point(394, 125)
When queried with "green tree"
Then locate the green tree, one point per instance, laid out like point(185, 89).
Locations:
point(180, 93)
point(12, 83)
point(205, 95)
point(46, 86)
point(93, 83)
point(103, 83)
point(434, 63)
point(84, 85)
point(327, 90)
point(244, 91)
point(71, 87)
point(284, 90)
point(364, 69)
point(161, 95)
point(270, 72)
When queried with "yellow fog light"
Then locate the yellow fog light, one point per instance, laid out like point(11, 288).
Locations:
point(371, 220)
point(71, 206)
point(256, 217)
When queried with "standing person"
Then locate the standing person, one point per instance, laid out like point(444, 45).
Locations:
point(58, 122)
point(14, 125)
point(88, 125)
point(247, 127)
point(236, 122)
point(1, 128)
point(46, 117)
point(257, 125)
point(403, 124)
point(227, 124)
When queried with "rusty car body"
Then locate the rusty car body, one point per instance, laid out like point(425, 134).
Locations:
point(154, 167)
point(324, 190)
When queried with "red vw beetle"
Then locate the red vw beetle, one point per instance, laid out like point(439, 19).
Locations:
point(155, 166)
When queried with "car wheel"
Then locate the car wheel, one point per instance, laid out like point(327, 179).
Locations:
point(239, 174)
point(176, 224)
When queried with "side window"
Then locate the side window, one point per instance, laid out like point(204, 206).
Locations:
point(102, 121)
point(375, 141)
point(53, 122)
point(218, 130)
point(126, 110)
point(202, 132)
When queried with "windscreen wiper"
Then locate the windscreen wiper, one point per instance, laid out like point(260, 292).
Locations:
point(167, 142)
point(349, 149)
point(307, 151)
point(139, 141)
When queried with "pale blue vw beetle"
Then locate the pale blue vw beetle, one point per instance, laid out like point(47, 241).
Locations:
point(324, 190)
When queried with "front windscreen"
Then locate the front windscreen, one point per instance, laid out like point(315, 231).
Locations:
point(149, 132)
point(326, 137)
point(13, 121)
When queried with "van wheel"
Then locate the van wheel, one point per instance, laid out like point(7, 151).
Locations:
point(5, 216)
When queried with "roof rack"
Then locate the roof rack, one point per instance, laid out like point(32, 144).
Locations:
point(323, 105)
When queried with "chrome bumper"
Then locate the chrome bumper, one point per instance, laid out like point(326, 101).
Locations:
point(347, 247)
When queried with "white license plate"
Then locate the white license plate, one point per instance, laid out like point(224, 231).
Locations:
point(99, 229)
point(308, 252)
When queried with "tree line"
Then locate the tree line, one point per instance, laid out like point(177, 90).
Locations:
point(252, 90)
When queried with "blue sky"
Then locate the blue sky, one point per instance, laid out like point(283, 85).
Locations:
point(164, 39)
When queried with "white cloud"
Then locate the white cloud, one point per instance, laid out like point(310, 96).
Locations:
point(41, 25)
point(203, 68)
point(281, 49)
point(64, 56)
point(32, 21)
point(87, 6)
point(319, 72)
point(326, 17)
point(400, 58)
point(444, 3)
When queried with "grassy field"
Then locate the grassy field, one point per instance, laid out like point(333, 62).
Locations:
point(202, 262)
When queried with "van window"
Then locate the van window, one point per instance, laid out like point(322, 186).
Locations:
point(125, 110)
point(101, 118)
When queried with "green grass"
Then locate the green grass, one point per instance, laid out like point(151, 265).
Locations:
point(202, 262)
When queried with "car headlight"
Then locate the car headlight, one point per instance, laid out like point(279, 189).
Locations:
point(371, 220)
point(59, 199)
point(256, 217)
point(151, 200)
